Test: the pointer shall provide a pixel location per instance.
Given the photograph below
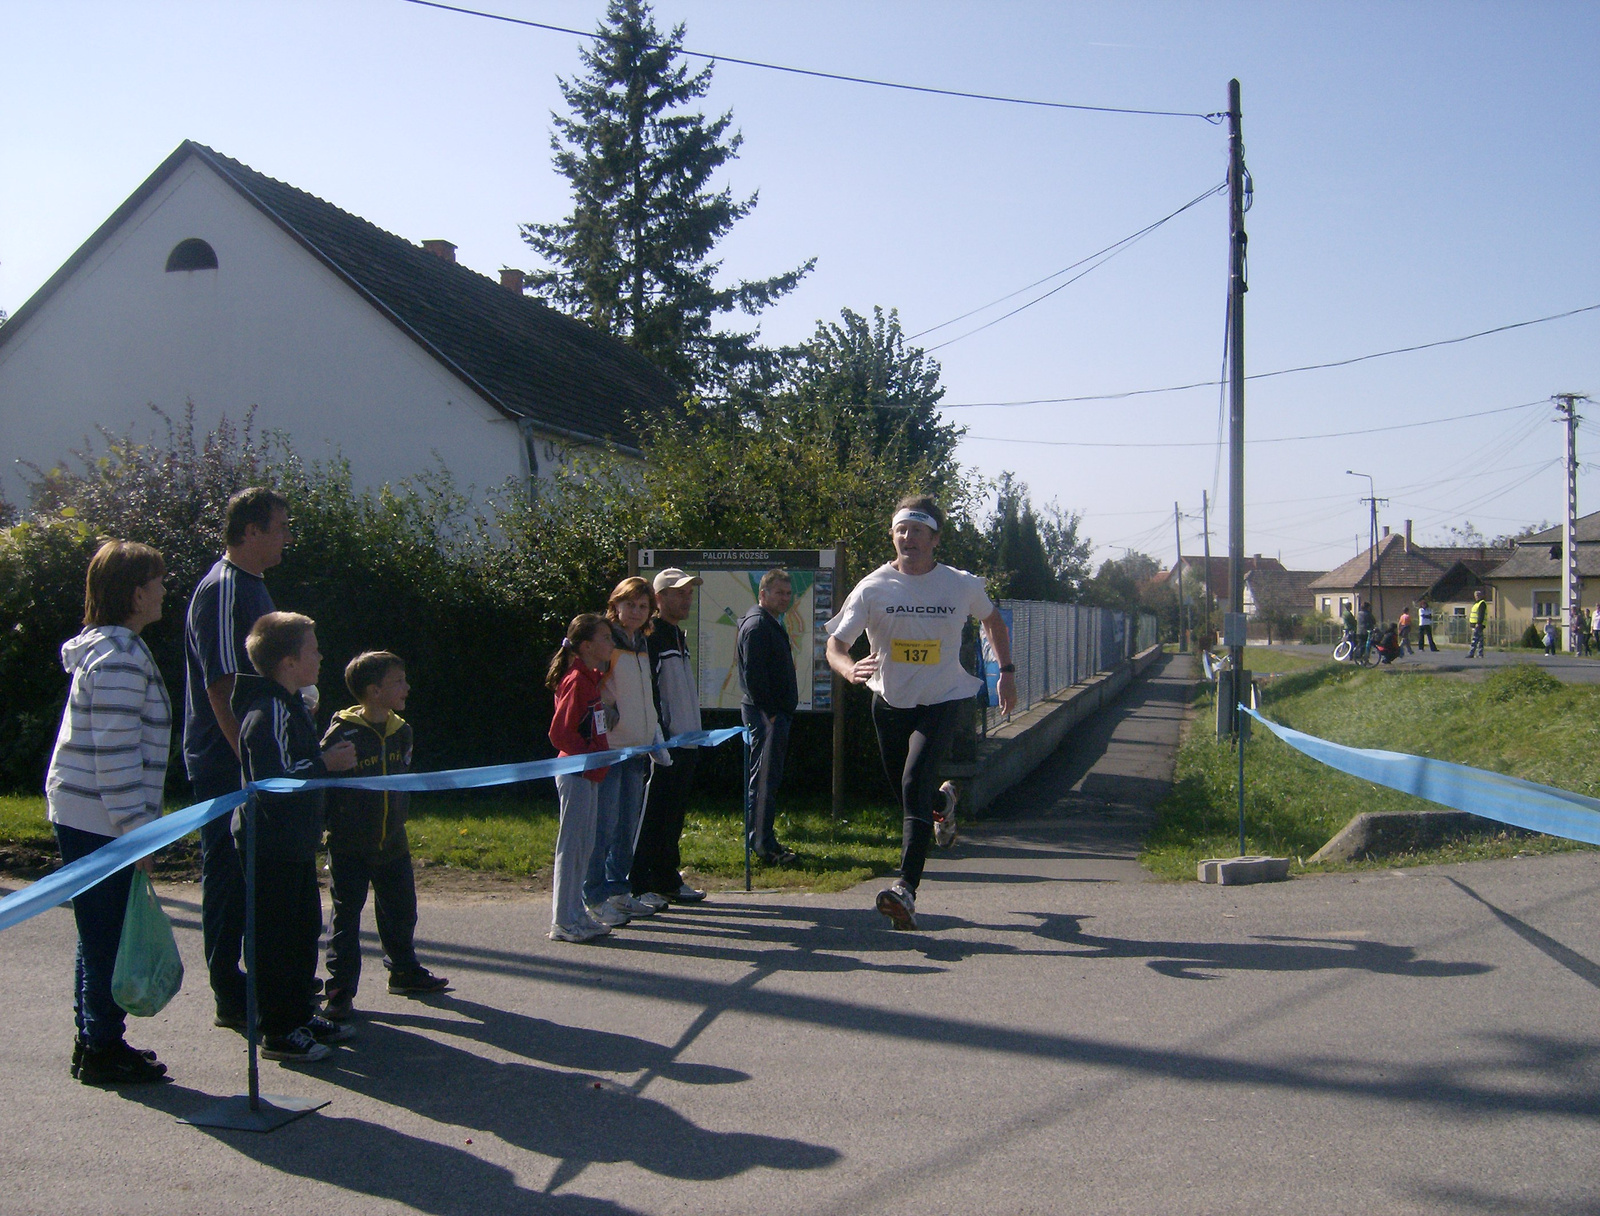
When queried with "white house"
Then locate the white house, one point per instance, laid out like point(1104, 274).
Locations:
point(218, 285)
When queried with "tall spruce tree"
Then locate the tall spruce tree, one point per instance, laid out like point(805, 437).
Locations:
point(634, 256)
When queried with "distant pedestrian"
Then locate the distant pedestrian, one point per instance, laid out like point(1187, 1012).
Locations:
point(1348, 619)
point(1550, 638)
point(1425, 627)
point(771, 693)
point(1405, 631)
point(1585, 632)
point(1477, 617)
point(1369, 625)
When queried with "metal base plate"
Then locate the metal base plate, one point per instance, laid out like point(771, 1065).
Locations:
point(272, 1113)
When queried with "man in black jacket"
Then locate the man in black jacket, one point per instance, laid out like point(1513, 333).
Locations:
point(771, 692)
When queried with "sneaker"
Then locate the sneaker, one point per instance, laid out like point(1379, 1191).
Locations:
point(325, 1031)
point(899, 905)
point(120, 1064)
point(944, 822)
point(608, 914)
point(686, 894)
point(340, 1005)
point(418, 980)
point(298, 1046)
point(632, 907)
point(577, 933)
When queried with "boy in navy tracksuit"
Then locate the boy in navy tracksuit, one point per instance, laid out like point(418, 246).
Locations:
point(278, 738)
point(367, 844)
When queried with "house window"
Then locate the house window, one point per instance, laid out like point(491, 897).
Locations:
point(1545, 603)
point(1344, 604)
point(1327, 606)
point(192, 254)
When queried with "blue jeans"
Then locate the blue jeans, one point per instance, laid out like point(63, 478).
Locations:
point(99, 912)
point(616, 830)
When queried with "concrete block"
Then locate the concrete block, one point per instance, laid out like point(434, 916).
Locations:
point(1237, 871)
point(1383, 833)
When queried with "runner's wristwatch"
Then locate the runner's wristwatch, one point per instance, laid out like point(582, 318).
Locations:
point(1007, 668)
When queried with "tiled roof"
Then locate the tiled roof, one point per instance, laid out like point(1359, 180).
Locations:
point(1283, 590)
point(1532, 560)
point(1219, 569)
point(521, 356)
point(1588, 530)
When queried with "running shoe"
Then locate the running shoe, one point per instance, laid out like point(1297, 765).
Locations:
point(328, 1032)
point(608, 914)
point(577, 933)
point(631, 907)
point(899, 905)
point(686, 894)
point(296, 1047)
point(944, 822)
point(653, 901)
point(120, 1064)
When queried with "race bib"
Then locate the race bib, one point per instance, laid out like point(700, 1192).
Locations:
point(915, 650)
point(599, 721)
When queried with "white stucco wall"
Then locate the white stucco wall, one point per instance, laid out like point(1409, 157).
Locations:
point(271, 327)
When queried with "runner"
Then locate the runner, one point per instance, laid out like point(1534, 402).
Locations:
point(914, 610)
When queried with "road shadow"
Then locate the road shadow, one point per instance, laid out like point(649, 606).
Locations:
point(368, 1159)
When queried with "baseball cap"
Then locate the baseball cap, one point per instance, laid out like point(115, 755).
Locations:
point(672, 577)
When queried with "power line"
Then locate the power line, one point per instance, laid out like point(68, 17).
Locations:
point(1369, 430)
point(1212, 118)
point(1104, 255)
point(1286, 371)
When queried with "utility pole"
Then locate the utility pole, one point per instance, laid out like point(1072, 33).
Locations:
point(1205, 522)
point(1238, 201)
point(1374, 570)
point(1571, 595)
point(1177, 532)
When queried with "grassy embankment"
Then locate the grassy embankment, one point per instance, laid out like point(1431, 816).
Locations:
point(1520, 721)
point(516, 836)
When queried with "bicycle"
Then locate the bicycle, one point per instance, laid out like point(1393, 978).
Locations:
point(1359, 651)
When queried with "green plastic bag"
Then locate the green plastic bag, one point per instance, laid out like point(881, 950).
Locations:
point(149, 971)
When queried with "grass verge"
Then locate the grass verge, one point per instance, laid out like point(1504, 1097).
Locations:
point(1520, 721)
point(516, 835)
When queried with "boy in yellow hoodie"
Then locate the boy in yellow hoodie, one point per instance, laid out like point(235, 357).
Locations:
point(367, 844)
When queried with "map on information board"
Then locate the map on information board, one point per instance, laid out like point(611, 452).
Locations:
point(732, 578)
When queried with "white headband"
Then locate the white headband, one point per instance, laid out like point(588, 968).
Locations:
point(908, 516)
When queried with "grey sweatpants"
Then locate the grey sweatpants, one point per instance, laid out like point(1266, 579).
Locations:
point(580, 799)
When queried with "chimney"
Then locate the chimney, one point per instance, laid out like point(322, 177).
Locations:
point(441, 249)
point(1408, 536)
point(511, 280)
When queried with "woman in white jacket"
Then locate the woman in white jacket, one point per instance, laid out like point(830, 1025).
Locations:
point(106, 776)
point(629, 690)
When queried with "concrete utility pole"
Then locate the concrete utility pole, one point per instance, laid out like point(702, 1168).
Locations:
point(1571, 594)
point(1374, 571)
point(1177, 532)
point(1205, 523)
point(1239, 190)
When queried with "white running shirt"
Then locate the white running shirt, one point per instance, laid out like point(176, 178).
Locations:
point(914, 622)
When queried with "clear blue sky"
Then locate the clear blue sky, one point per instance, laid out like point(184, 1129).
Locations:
point(1422, 171)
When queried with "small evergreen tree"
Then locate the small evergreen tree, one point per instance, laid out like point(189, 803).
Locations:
point(634, 256)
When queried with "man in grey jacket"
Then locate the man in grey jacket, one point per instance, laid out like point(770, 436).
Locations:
point(771, 693)
point(666, 798)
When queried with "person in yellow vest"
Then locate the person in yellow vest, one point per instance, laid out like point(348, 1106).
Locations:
point(1477, 617)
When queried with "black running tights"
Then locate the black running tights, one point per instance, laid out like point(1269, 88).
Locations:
point(912, 742)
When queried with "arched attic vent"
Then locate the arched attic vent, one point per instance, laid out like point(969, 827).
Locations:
point(192, 254)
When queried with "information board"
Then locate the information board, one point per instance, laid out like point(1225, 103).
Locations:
point(732, 578)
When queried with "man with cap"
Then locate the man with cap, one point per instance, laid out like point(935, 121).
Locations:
point(666, 797)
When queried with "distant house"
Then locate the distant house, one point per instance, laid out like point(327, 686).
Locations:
point(1278, 593)
point(216, 284)
point(1399, 572)
point(1528, 582)
point(1194, 577)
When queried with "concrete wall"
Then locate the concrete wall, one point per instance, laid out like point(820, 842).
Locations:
point(270, 327)
point(1013, 751)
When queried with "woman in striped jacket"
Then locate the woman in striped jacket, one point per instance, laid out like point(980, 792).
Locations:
point(106, 777)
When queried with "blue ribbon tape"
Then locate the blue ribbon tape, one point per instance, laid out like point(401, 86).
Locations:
point(1522, 804)
point(74, 879)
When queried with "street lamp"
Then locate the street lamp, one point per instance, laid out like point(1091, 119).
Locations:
point(1372, 534)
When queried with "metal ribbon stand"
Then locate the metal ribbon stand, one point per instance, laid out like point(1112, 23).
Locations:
point(746, 739)
point(252, 1111)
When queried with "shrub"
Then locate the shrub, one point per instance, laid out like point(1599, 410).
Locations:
point(1532, 638)
point(1523, 681)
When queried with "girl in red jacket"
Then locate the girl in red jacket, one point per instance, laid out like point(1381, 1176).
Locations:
point(578, 728)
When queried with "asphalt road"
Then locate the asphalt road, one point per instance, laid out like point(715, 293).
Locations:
point(1452, 660)
point(1054, 1040)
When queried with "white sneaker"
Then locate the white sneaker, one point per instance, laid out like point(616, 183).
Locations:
point(944, 822)
point(653, 901)
point(609, 916)
point(631, 907)
point(899, 905)
point(577, 933)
